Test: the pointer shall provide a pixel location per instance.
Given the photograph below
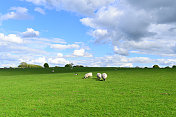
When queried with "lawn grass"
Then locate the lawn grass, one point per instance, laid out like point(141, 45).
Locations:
point(127, 92)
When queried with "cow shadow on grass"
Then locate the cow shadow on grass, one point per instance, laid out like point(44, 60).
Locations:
point(93, 78)
point(96, 79)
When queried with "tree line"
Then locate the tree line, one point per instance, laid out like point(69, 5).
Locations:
point(45, 65)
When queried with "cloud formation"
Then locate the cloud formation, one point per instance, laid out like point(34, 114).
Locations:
point(84, 7)
point(133, 26)
point(30, 33)
point(62, 47)
point(17, 13)
point(81, 53)
point(13, 38)
point(128, 24)
point(58, 61)
point(40, 10)
point(60, 55)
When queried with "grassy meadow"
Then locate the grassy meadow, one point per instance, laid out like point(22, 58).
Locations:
point(126, 93)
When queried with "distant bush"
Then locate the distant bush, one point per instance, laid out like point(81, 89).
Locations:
point(78, 66)
point(174, 66)
point(46, 65)
point(137, 67)
point(34, 66)
point(25, 65)
point(69, 65)
point(156, 66)
point(167, 67)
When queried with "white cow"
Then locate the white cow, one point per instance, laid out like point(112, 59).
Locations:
point(104, 76)
point(99, 76)
point(88, 75)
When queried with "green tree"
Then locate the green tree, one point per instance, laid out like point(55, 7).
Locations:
point(167, 67)
point(34, 66)
point(69, 65)
point(156, 66)
point(46, 65)
point(174, 66)
point(137, 67)
point(78, 66)
point(23, 65)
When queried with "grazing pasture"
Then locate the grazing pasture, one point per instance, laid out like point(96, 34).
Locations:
point(126, 92)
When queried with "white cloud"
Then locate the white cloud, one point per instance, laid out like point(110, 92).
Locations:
point(52, 61)
point(18, 13)
point(140, 60)
point(60, 61)
point(38, 2)
point(100, 35)
point(146, 27)
point(127, 65)
point(81, 53)
point(123, 61)
point(150, 47)
point(44, 41)
point(162, 44)
point(33, 50)
point(133, 29)
point(131, 26)
point(40, 60)
point(106, 17)
point(119, 24)
point(11, 38)
point(40, 10)
point(8, 57)
point(163, 11)
point(30, 33)
point(33, 60)
point(62, 47)
point(8, 65)
point(105, 61)
point(20, 10)
point(120, 51)
point(85, 7)
point(166, 62)
point(58, 40)
point(60, 55)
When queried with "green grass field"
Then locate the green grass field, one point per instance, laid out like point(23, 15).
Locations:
point(126, 93)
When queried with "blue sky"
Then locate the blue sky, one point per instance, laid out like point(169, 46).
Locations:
point(125, 33)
